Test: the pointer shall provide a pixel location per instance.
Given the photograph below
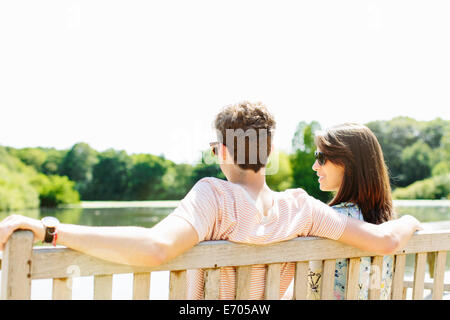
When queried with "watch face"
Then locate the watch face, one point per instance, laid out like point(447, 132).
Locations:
point(50, 221)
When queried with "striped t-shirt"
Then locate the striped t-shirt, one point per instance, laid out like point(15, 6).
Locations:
point(222, 210)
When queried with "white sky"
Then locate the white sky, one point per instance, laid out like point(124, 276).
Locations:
point(149, 76)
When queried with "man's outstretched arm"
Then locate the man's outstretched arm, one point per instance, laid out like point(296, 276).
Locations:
point(126, 245)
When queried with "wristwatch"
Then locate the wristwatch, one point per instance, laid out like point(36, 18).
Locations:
point(51, 232)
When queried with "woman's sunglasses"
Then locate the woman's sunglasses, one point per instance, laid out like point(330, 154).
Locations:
point(320, 157)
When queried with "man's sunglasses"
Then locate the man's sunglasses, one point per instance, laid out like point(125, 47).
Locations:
point(320, 157)
point(214, 147)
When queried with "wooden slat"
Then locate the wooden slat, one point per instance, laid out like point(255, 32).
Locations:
point(315, 277)
point(419, 276)
point(212, 284)
point(439, 273)
point(16, 266)
point(177, 285)
point(352, 288)
point(62, 288)
point(431, 261)
point(141, 286)
point(272, 291)
point(301, 280)
point(428, 285)
point(103, 287)
point(386, 280)
point(329, 267)
point(398, 278)
point(376, 269)
point(404, 293)
point(53, 262)
point(243, 282)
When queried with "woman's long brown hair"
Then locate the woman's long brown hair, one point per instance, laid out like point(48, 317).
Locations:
point(366, 179)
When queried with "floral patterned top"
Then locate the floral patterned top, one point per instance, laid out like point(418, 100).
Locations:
point(315, 268)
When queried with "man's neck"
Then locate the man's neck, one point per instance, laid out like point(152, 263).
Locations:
point(253, 182)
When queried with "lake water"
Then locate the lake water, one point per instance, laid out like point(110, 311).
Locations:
point(147, 214)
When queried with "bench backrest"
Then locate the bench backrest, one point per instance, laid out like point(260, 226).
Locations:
point(21, 263)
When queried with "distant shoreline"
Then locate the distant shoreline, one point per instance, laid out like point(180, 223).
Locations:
point(421, 203)
point(124, 204)
point(175, 203)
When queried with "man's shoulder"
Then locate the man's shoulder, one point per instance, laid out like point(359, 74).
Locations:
point(213, 181)
point(293, 193)
point(212, 184)
point(294, 198)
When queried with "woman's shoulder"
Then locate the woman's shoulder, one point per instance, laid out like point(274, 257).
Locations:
point(350, 209)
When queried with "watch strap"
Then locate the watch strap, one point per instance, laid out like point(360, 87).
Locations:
point(49, 234)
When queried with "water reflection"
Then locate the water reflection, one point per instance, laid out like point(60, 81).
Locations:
point(144, 217)
point(425, 213)
point(149, 216)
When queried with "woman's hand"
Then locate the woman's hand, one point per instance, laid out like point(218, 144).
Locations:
point(384, 239)
point(415, 224)
point(15, 222)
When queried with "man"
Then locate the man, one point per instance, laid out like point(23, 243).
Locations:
point(242, 209)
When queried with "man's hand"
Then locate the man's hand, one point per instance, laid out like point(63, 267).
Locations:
point(15, 222)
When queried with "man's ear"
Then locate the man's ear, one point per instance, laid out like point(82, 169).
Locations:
point(225, 155)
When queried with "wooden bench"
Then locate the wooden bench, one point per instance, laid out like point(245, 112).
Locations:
point(22, 263)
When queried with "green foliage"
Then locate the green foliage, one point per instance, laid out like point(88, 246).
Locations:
point(203, 170)
point(146, 176)
point(441, 168)
point(432, 132)
point(77, 164)
point(303, 139)
point(22, 187)
point(12, 163)
point(32, 157)
point(303, 159)
point(282, 178)
point(45, 160)
point(416, 162)
point(437, 187)
point(110, 176)
point(177, 181)
point(207, 167)
point(411, 148)
point(52, 164)
point(394, 136)
point(16, 193)
point(55, 190)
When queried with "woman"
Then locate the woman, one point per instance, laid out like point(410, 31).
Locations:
point(349, 162)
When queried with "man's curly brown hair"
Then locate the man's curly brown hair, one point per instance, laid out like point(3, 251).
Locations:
point(249, 122)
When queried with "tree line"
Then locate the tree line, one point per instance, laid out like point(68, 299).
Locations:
point(417, 154)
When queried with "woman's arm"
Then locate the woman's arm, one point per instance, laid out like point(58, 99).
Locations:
point(125, 245)
point(384, 239)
